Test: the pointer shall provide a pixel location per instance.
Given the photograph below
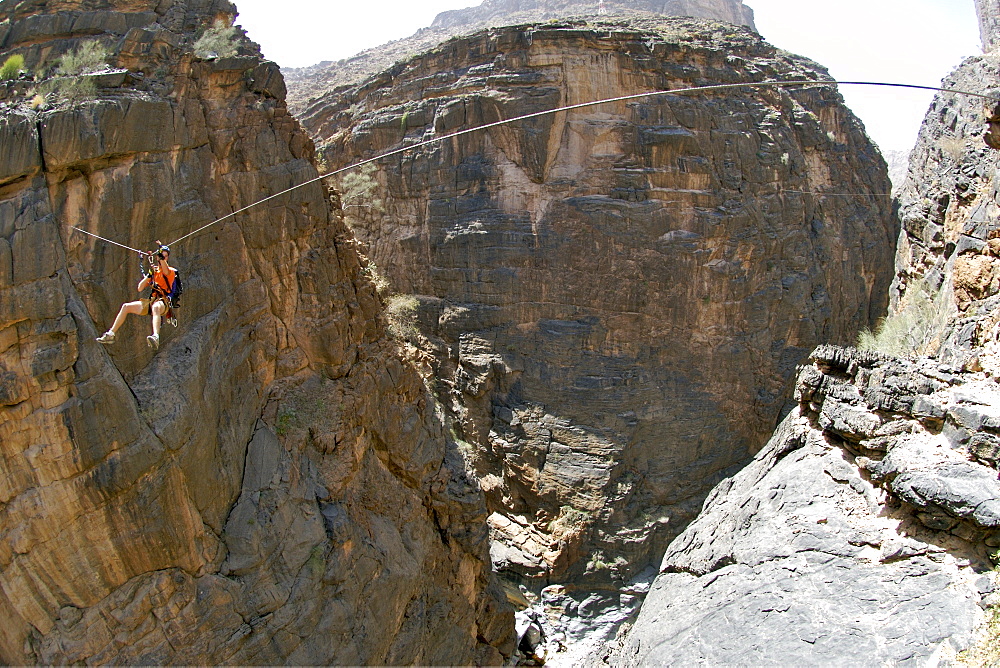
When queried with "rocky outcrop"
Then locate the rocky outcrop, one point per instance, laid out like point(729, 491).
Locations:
point(614, 298)
point(989, 23)
point(948, 255)
point(899, 165)
point(272, 485)
point(862, 533)
point(509, 12)
point(326, 78)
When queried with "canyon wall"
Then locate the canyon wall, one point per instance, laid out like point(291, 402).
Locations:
point(989, 23)
point(613, 299)
point(509, 12)
point(948, 256)
point(324, 78)
point(868, 530)
point(272, 485)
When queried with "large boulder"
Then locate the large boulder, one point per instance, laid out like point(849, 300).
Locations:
point(840, 545)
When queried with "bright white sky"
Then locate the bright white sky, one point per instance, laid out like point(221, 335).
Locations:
point(901, 41)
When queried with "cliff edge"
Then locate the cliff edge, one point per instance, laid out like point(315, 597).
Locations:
point(272, 485)
point(307, 83)
point(862, 533)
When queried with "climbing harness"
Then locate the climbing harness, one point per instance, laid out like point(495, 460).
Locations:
point(581, 105)
point(161, 288)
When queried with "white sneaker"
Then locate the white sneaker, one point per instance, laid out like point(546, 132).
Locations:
point(153, 341)
point(106, 337)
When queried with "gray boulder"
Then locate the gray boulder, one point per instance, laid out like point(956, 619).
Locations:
point(827, 551)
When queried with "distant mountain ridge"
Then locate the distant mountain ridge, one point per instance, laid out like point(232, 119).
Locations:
point(732, 11)
point(307, 83)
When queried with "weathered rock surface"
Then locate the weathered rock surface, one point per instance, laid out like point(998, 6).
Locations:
point(949, 246)
point(899, 164)
point(615, 297)
point(271, 486)
point(307, 83)
point(860, 534)
point(989, 23)
point(509, 12)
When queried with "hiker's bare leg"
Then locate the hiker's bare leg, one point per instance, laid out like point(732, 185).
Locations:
point(128, 307)
point(158, 308)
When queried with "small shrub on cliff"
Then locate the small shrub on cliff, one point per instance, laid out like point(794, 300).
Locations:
point(284, 422)
point(69, 82)
point(359, 194)
point(380, 282)
point(12, 67)
point(953, 147)
point(569, 520)
point(401, 310)
point(916, 328)
point(87, 58)
point(219, 41)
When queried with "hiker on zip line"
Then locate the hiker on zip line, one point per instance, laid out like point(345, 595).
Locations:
point(164, 285)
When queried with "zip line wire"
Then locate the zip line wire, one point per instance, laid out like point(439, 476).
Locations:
point(581, 105)
point(97, 236)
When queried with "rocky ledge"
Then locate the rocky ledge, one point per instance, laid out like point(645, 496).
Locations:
point(862, 533)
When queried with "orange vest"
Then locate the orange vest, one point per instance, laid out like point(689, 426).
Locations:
point(162, 284)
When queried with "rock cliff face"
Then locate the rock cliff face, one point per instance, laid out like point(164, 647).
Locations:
point(950, 244)
point(271, 485)
point(989, 23)
point(501, 12)
point(308, 83)
point(861, 534)
point(864, 532)
point(614, 298)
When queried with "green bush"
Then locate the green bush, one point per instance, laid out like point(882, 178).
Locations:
point(359, 190)
point(285, 418)
point(12, 67)
point(916, 328)
point(570, 519)
point(401, 311)
point(69, 82)
point(87, 58)
point(219, 41)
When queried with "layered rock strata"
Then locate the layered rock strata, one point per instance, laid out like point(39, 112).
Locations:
point(862, 533)
point(270, 486)
point(615, 297)
point(324, 78)
point(508, 12)
point(948, 256)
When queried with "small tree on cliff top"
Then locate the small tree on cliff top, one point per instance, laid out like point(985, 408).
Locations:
point(219, 41)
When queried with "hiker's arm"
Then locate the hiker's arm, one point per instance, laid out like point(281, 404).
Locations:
point(143, 284)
